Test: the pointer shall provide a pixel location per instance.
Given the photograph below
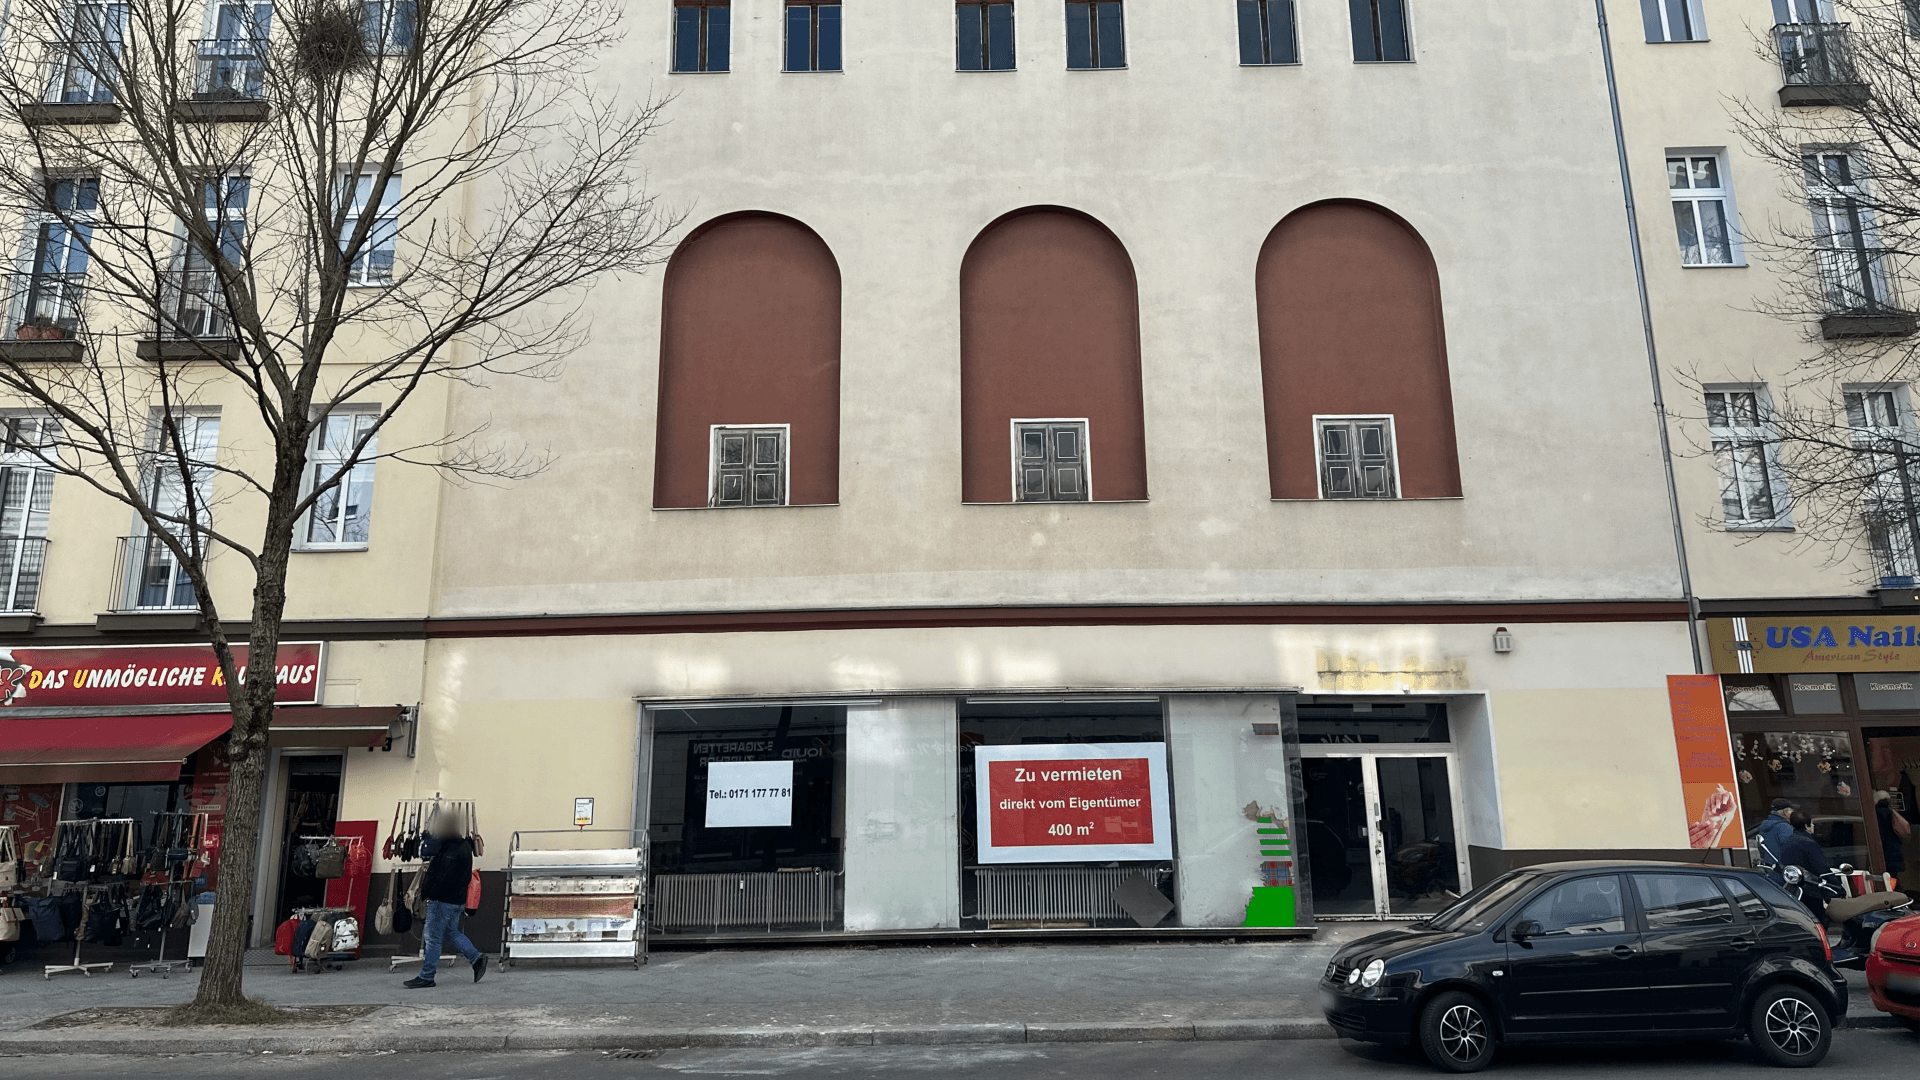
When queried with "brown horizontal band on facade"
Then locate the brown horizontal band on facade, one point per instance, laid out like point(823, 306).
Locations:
point(1788, 605)
point(736, 622)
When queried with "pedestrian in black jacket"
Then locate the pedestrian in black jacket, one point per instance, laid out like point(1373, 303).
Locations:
point(444, 887)
point(1805, 852)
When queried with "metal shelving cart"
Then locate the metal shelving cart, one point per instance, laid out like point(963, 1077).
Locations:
point(568, 898)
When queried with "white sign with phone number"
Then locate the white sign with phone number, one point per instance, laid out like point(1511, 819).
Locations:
point(749, 794)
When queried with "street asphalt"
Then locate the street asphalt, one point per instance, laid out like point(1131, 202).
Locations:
point(1881, 1052)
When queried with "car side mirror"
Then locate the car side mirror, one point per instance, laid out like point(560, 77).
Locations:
point(1523, 930)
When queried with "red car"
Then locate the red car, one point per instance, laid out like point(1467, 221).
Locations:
point(1893, 970)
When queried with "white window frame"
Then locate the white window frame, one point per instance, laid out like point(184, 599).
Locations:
point(1839, 272)
point(1013, 453)
point(1821, 10)
point(27, 265)
point(1736, 250)
point(1695, 14)
point(318, 456)
point(389, 221)
point(35, 464)
point(159, 464)
point(713, 463)
point(1902, 428)
point(1393, 440)
point(1767, 438)
point(219, 321)
point(384, 45)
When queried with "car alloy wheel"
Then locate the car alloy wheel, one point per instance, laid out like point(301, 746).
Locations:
point(1457, 1033)
point(1463, 1034)
point(1793, 1026)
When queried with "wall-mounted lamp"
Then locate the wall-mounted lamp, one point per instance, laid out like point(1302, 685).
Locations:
point(1502, 640)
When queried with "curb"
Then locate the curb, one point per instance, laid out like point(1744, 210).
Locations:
point(326, 1040)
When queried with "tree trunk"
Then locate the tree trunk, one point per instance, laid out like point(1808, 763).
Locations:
point(253, 704)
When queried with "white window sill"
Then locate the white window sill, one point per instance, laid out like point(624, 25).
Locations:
point(1294, 64)
point(369, 284)
point(1742, 265)
point(699, 509)
point(324, 549)
point(1401, 499)
point(1064, 502)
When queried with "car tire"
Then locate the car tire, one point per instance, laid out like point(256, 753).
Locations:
point(1789, 1027)
point(1456, 1031)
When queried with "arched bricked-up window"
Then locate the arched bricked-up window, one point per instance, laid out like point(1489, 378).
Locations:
point(1050, 331)
point(750, 339)
point(1350, 326)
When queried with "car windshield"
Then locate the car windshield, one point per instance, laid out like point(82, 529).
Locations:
point(1479, 907)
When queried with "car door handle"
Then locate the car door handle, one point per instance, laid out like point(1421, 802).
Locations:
point(1741, 943)
point(1624, 952)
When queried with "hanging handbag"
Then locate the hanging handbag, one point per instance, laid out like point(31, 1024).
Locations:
point(383, 915)
point(473, 893)
point(301, 862)
point(69, 863)
point(129, 862)
point(359, 859)
point(416, 894)
point(184, 912)
point(9, 860)
point(330, 861)
point(320, 942)
point(10, 920)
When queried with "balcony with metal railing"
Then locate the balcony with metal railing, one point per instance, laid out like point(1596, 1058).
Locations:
point(1859, 287)
point(23, 563)
point(81, 73)
point(229, 82)
point(194, 323)
point(43, 313)
point(1816, 65)
point(148, 577)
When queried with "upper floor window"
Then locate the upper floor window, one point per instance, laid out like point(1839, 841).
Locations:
point(983, 35)
point(342, 516)
point(1358, 459)
point(1050, 461)
point(1702, 209)
point(232, 62)
point(1881, 432)
point(87, 56)
point(1745, 453)
point(1675, 20)
point(1267, 33)
point(1096, 35)
point(750, 466)
point(702, 34)
point(1785, 12)
point(153, 574)
point(1379, 31)
point(26, 504)
point(389, 25)
point(1852, 266)
point(196, 306)
point(49, 304)
point(813, 35)
point(374, 263)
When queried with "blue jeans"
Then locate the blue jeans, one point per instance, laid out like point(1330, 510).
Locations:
point(443, 926)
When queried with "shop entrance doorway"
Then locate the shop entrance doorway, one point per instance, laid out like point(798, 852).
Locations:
point(1382, 834)
point(311, 808)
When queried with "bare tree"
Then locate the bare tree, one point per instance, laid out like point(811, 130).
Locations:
point(1844, 135)
point(318, 208)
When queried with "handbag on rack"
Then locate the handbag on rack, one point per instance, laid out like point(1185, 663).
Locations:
point(129, 862)
point(416, 894)
point(320, 942)
point(10, 920)
point(301, 862)
point(383, 915)
point(330, 861)
point(346, 934)
point(9, 860)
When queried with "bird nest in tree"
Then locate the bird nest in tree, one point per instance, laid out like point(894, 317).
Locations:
point(329, 41)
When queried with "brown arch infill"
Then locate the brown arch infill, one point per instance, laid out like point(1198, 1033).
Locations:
point(749, 334)
point(1350, 322)
point(1050, 328)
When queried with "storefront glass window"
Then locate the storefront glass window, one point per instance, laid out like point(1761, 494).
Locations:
point(1893, 767)
point(137, 801)
point(1888, 691)
point(1081, 883)
point(1815, 695)
point(1814, 769)
point(1751, 697)
point(746, 818)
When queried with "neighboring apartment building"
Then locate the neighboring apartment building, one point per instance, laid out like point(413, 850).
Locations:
point(1813, 639)
point(1231, 416)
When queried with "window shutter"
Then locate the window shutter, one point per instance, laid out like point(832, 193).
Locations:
point(1336, 461)
point(1051, 463)
point(1356, 459)
point(749, 467)
point(1032, 441)
point(1069, 463)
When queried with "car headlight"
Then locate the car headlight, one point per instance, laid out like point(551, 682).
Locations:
point(1874, 942)
point(1354, 975)
point(1371, 976)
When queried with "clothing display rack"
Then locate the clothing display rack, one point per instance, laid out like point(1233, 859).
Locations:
point(174, 850)
point(566, 900)
point(412, 820)
point(89, 892)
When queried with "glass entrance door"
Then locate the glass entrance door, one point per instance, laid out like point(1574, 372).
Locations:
point(1382, 840)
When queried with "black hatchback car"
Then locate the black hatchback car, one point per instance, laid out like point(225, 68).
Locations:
point(1592, 952)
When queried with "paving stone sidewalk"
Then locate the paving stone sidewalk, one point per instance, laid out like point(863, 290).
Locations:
point(802, 996)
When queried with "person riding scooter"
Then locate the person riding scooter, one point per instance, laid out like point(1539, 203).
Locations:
point(1802, 850)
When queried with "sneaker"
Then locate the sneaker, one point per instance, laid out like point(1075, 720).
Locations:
point(479, 968)
point(418, 984)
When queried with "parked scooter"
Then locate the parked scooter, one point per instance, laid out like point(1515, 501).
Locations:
point(1860, 918)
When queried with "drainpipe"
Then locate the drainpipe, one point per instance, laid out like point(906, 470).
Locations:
point(1653, 352)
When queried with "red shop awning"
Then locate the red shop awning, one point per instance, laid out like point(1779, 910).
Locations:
point(103, 749)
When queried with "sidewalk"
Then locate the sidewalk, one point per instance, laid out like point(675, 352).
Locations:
point(942, 994)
